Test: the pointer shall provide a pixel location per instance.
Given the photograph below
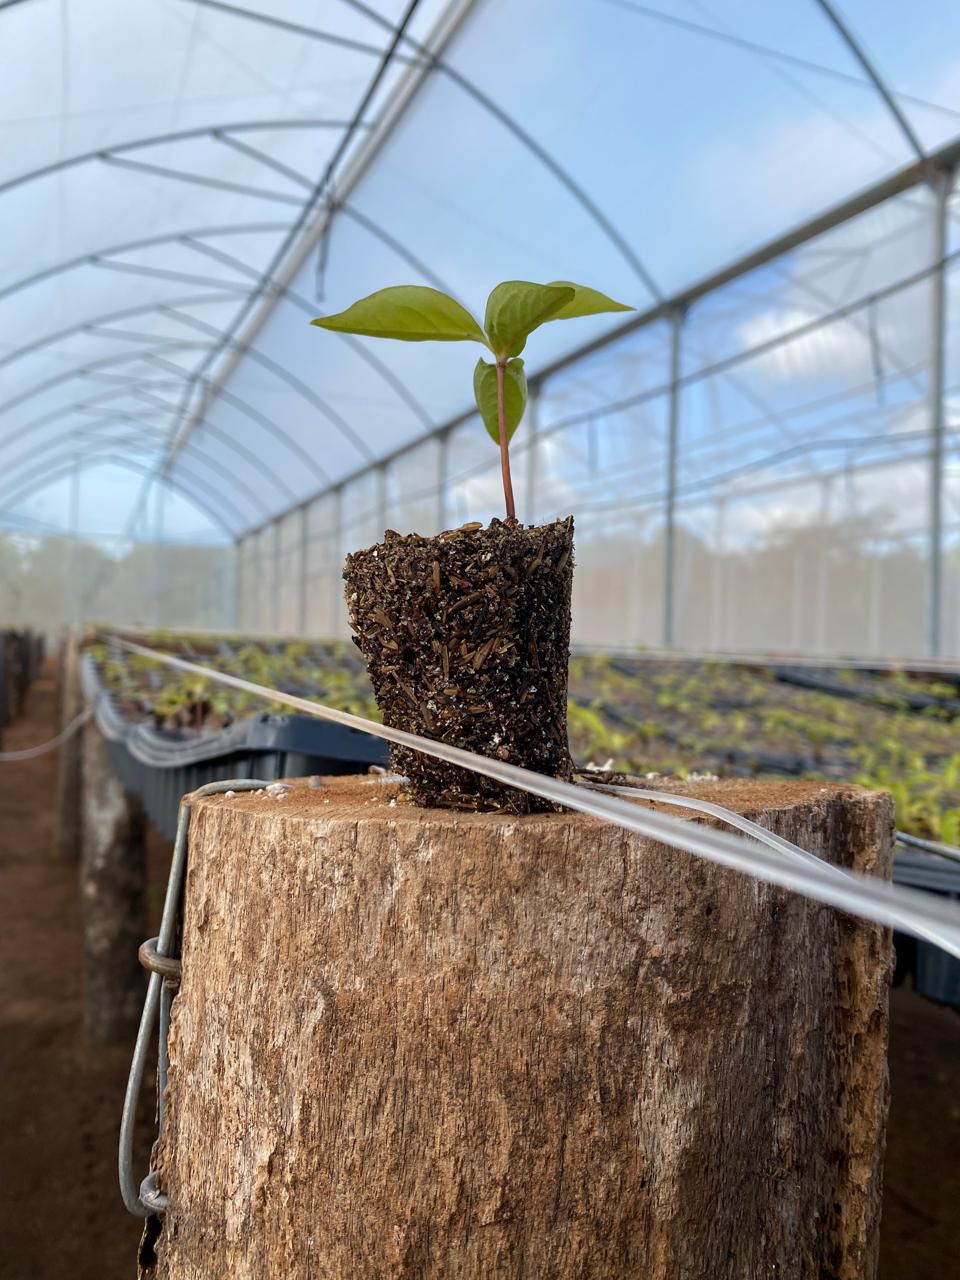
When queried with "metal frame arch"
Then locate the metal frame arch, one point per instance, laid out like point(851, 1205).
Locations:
point(291, 295)
point(79, 370)
point(190, 238)
point(83, 326)
point(68, 444)
point(873, 74)
point(170, 306)
point(267, 424)
point(328, 37)
point(132, 388)
point(159, 139)
point(238, 447)
point(131, 246)
point(189, 417)
point(267, 362)
point(63, 439)
point(127, 463)
point(70, 449)
point(182, 375)
point(435, 62)
point(87, 405)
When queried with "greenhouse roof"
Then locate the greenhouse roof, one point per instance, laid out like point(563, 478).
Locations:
point(185, 183)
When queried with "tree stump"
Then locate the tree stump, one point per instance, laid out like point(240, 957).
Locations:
point(113, 877)
point(69, 817)
point(417, 1043)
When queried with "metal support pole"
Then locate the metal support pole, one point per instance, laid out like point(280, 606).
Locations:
point(443, 481)
point(159, 611)
point(235, 588)
point(937, 366)
point(673, 423)
point(275, 595)
point(381, 477)
point(336, 594)
point(717, 619)
point(71, 561)
point(795, 642)
point(252, 620)
point(532, 429)
point(304, 553)
point(823, 567)
point(876, 587)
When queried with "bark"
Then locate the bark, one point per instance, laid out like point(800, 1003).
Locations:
point(112, 899)
point(416, 1043)
point(68, 834)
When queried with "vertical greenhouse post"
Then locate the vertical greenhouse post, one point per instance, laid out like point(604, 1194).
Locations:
point(443, 480)
point(532, 441)
point(303, 578)
point(942, 188)
point(673, 424)
point(276, 622)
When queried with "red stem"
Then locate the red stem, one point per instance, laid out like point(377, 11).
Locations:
point(504, 443)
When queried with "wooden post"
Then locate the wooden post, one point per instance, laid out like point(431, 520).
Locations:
point(415, 1043)
point(112, 898)
point(68, 832)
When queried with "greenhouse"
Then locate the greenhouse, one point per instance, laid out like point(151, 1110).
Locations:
point(761, 457)
point(541, 772)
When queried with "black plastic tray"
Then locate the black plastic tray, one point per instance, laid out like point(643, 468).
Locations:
point(162, 767)
point(935, 974)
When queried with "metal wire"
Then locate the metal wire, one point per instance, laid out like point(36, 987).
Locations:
point(145, 1200)
point(884, 903)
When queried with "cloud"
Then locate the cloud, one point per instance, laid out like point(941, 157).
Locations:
point(829, 351)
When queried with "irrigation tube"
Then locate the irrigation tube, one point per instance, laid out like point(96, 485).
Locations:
point(908, 910)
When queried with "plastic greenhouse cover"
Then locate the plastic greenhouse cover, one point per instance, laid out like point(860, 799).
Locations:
point(157, 156)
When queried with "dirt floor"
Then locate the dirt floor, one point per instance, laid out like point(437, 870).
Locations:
point(60, 1211)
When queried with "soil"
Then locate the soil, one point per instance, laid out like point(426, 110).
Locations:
point(60, 1210)
point(467, 639)
point(60, 1099)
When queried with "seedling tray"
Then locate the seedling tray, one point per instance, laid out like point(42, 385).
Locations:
point(161, 766)
point(936, 975)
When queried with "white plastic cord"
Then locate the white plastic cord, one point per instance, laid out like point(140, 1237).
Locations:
point(895, 906)
point(31, 753)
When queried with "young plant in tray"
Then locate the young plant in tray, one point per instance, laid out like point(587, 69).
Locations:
point(467, 634)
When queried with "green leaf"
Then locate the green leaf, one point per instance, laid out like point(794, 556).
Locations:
point(517, 307)
point(514, 396)
point(410, 312)
point(585, 302)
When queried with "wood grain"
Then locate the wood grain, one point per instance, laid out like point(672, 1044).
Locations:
point(113, 890)
point(413, 1043)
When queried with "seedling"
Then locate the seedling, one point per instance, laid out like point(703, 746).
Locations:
point(415, 313)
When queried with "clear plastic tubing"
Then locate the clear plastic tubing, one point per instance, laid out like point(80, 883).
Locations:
point(909, 910)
